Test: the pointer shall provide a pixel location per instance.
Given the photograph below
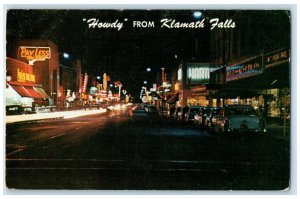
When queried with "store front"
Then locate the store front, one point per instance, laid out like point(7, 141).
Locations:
point(191, 82)
point(260, 81)
point(21, 86)
point(25, 94)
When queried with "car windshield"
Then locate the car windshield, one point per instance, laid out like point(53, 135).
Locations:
point(241, 111)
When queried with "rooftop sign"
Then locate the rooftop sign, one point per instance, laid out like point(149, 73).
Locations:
point(32, 53)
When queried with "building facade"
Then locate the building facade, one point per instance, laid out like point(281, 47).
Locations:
point(36, 63)
point(254, 61)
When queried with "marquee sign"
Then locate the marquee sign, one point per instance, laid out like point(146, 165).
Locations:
point(25, 77)
point(32, 53)
point(198, 73)
point(277, 57)
point(247, 68)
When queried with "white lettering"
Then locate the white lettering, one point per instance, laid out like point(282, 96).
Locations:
point(198, 73)
point(172, 23)
point(227, 24)
point(143, 24)
point(94, 23)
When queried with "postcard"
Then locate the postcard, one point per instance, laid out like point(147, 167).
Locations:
point(148, 99)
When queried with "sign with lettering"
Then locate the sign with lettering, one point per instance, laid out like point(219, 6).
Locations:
point(250, 67)
point(277, 57)
point(25, 77)
point(32, 53)
point(85, 82)
point(198, 73)
point(179, 74)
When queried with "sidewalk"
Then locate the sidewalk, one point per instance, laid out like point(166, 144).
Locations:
point(276, 129)
point(48, 116)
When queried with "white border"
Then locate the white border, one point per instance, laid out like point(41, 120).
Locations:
point(156, 4)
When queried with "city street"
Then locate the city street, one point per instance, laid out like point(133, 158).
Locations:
point(117, 152)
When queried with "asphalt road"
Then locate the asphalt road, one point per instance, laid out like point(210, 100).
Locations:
point(116, 152)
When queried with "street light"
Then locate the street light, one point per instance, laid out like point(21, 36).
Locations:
point(197, 14)
point(66, 55)
point(54, 94)
point(145, 82)
point(98, 77)
point(148, 69)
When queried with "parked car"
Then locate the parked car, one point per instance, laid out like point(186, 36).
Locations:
point(181, 114)
point(237, 118)
point(192, 111)
point(152, 110)
point(178, 110)
point(19, 110)
point(202, 117)
point(171, 112)
point(45, 109)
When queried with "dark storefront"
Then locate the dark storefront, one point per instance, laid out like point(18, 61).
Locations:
point(261, 80)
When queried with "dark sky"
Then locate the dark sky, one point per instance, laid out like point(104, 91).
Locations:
point(123, 54)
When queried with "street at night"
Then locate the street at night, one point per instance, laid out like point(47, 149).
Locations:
point(115, 151)
point(148, 99)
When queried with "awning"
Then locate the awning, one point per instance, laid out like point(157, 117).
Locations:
point(20, 90)
point(27, 90)
point(41, 91)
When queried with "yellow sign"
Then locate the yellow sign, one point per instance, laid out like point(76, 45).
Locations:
point(24, 77)
point(34, 53)
point(104, 81)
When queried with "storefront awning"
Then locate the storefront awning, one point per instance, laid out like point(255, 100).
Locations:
point(27, 90)
point(20, 90)
point(41, 91)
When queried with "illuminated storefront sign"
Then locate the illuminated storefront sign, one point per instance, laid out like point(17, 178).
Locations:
point(33, 54)
point(251, 67)
point(177, 87)
point(179, 74)
point(85, 82)
point(93, 90)
point(198, 73)
point(277, 57)
point(25, 77)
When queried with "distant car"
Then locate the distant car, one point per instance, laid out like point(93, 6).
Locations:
point(237, 118)
point(139, 112)
point(146, 107)
point(181, 114)
point(202, 117)
point(19, 110)
point(175, 115)
point(152, 110)
point(45, 109)
point(192, 111)
point(171, 112)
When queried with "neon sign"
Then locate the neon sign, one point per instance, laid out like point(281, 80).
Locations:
point(24, 77)
point(33, 54)
point(179, 74)
point(198, 73)
point(250, 67)
point(274, 58)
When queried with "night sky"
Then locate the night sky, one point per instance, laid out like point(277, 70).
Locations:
point(123, 54)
